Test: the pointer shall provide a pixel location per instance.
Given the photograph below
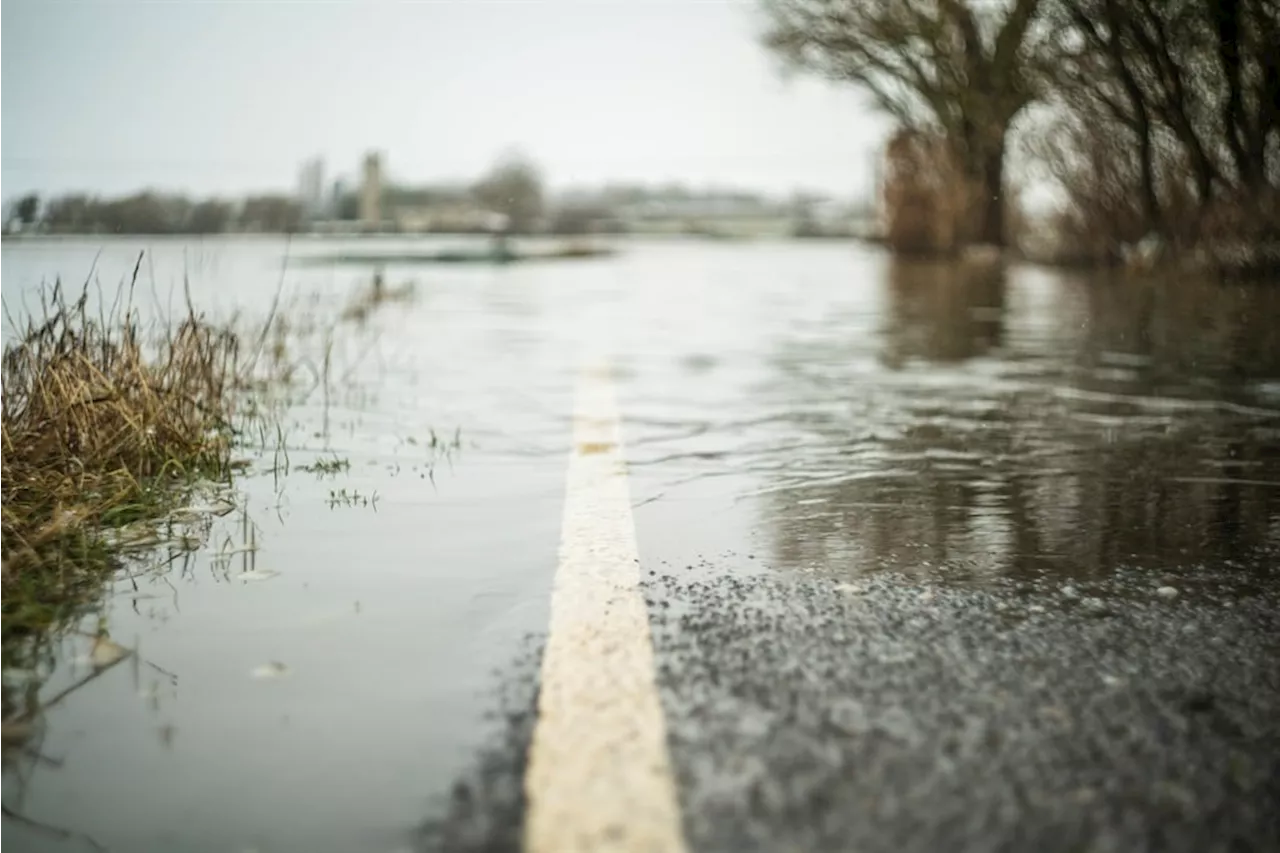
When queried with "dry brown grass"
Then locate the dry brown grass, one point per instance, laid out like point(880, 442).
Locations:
point(107, 423)
point(102, 424)
point(924, 196)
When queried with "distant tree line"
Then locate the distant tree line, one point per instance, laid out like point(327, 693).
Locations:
point(511, 196)
point(1157, 119)
point(158, 213)
point(513, 188)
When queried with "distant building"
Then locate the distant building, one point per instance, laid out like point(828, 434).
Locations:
point(445, 209)
point(311, 197)
point(345, 200)
point(724, 214)
point(371, 192)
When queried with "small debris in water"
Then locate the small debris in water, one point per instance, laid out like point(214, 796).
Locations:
point(106, 652)
point(850, 588)
point(1167, 592)
point(1070, 591)
point(257, 575)
point(217, 507)
point(1035, 608)
point(274, 669)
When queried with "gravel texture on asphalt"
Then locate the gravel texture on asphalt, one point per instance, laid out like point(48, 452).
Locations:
point(810, 713)
point(893, 715)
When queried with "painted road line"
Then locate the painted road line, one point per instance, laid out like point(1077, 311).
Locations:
point(599, 778)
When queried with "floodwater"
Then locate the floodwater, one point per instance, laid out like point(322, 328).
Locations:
point(812, 408)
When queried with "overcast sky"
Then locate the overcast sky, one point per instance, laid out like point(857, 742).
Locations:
point(223, 96)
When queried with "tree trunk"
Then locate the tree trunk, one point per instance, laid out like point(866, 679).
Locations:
point(992, 229)
point(982, 169)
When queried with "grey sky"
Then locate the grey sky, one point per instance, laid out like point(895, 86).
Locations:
point(225, 96)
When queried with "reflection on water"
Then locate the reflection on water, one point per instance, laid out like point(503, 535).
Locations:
point(942, 312)
point(44, 675)
point(1028, 426)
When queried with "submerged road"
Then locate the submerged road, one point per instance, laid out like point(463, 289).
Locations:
point(918, 577)
point(785, 711)
point(598, 775)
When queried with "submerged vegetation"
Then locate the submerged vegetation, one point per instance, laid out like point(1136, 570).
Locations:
point(352, 498)
point(124, 443)
point(366, 300)
point(103, 424)
point(118, 433)
point(327, 467)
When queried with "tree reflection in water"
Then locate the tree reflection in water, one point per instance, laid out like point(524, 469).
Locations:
point(1025, 423)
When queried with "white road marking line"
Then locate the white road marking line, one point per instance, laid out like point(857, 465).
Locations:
point(599, 778)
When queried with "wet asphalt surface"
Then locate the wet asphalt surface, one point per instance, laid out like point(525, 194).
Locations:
point(932, 562)
point(888, 714)
point(893, 716)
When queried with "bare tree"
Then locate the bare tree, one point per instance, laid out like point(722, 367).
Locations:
point(513, 188)
point(1190, 90)
point(71, 213)
point(1094, 159)
point(962, 68)
point(27, 209)
point(211, 216)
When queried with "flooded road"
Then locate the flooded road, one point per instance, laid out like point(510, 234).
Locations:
point(934, 557)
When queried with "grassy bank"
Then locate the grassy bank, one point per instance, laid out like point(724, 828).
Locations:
point(105, 423)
